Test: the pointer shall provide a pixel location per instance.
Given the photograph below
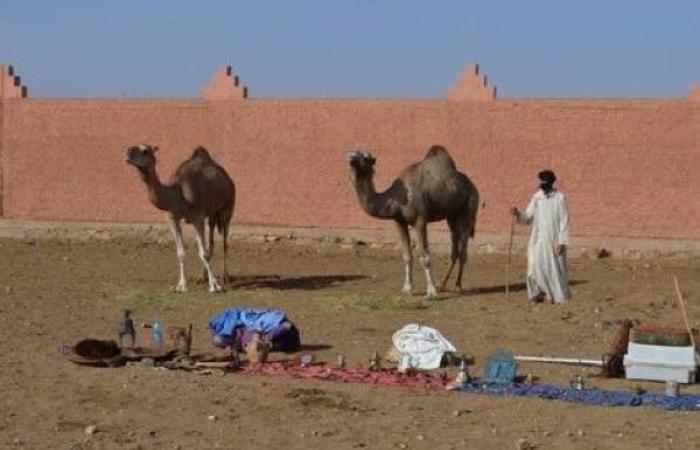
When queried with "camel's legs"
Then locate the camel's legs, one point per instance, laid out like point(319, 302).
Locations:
point(463, 242)
point(180, 245)
point(422, 228)
point(454, 254)
point(211, 225)
point(205, 256)
point(407, 255)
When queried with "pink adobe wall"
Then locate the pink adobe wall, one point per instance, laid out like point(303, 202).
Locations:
point(2, 184)
point(629, 167)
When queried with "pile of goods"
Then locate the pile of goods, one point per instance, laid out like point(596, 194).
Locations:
point(659, 335)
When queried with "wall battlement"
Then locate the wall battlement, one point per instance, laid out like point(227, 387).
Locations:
point(11, 84)
point(695, 93)
point(472, 86)
point(225, 86)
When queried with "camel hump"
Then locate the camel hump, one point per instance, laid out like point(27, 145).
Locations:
point(439, 157)
point(437, 150)
point(202, 153)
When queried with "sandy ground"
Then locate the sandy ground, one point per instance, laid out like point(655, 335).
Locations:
point(344, 298)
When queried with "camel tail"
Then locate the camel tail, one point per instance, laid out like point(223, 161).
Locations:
point(223, 222)
point(224, 217)
point(220, 223)
point(473, 207)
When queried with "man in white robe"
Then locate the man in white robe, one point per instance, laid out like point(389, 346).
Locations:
point(547, 276)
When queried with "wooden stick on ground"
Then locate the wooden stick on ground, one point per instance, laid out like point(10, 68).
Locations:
point(211, 364)
point(685, 315)
point(510, 252)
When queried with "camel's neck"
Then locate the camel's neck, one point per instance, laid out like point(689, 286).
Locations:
point(376, 204)
point(164, 197)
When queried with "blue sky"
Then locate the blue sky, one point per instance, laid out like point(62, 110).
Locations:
point(378, 48)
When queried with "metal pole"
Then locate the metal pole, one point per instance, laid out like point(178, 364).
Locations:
point(552, 359)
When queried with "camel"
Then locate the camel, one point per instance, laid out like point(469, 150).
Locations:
point(428, 191)
point(201, 193)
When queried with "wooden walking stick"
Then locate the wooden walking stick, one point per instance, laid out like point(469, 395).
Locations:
point(685, 315)
point(510, 253)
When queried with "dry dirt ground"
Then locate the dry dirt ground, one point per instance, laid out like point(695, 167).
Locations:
point(345, 298)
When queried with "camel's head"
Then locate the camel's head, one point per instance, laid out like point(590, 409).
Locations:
point(361, 162)
point(141, 156)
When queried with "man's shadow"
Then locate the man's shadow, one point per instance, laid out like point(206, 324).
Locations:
point(513, 287)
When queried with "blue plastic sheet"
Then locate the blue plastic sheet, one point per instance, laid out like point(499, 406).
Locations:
point(592, 396)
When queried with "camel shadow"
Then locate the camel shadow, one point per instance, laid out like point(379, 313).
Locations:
point(307, 283)
point(513, 287)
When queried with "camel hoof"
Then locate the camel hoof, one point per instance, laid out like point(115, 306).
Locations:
point(215, 287)
point(181, 288)
point(432, 293)
point(407, 290)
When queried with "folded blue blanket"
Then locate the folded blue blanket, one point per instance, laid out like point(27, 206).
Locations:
point(224, 325)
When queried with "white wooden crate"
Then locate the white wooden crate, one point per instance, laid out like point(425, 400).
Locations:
point(661, 363)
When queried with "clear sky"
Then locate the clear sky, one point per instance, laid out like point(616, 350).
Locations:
point(370, 48)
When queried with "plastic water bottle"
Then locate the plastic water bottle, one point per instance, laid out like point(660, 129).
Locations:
point(405, 363)
point(157, 333)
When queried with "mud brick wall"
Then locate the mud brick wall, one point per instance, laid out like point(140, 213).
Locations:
point(2, 184)
point(629, 167)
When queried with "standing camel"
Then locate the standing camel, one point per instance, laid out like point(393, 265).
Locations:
point(428, 191)
point(201, 192)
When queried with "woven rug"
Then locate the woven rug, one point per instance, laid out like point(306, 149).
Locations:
point(420, 380)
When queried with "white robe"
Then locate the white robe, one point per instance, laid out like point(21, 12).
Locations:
point(546, 272)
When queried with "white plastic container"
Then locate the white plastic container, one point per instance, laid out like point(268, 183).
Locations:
point(660, 363)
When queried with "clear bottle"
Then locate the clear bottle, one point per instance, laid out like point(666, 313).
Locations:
point(157, 332)
point(342, 362)
point(463, 374)
point(405, 363)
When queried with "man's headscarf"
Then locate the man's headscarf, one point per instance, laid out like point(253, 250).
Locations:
point(547, 179)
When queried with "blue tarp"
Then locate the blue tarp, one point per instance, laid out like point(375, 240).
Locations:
point(588, 396)
point(265, 321)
